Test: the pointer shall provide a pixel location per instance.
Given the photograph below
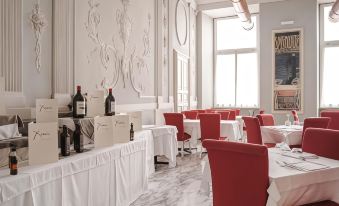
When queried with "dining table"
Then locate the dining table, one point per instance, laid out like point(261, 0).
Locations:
point(291, 135)
point(228, 128)
point(294, 178)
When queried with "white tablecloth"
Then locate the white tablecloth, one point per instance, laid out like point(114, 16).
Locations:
point(277, 134)
point(114, 175)
point(291, 186)
point(229, 129)
point(165, 142)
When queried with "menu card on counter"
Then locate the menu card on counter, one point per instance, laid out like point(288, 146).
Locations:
point(136, 119)
point(96, 104)
point(46, 110)
point(103, 131)
point(121, 128)
point(43, 143)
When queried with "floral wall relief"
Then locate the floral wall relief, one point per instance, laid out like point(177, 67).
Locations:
point(120, 55)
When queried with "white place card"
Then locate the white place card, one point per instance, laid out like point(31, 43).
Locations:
point(43, 143)
point(46, 110)
point(103, 131)
point(96, 104)
point(136, 119)
point(121, 128)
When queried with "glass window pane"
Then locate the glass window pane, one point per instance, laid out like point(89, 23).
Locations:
point(225, 80)
point(247, 80)
point(331, 30)
point(231, 35)
point(330, 83)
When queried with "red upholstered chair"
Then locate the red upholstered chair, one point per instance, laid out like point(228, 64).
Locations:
point(254, 132)
point(224, 114)
point(295, 116)
point(322, 142)
point(177, 119)
point(237, 112)
point(261, 111)
point(210, 110)
point(232, 115)
point(190, 114)
point(239, 173)
point(334, 115)
point(316, 122)
point(200, 111)
point(266, 119)
point(323, 203)
point(210, 126)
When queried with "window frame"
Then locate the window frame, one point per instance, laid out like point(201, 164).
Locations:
point(322, 46)
point(235, 52)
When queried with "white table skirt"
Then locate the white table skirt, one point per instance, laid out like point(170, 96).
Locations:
point(114, 175)
point(277, 134)
point(229, 129)
point(165, 142)
point(290, 186)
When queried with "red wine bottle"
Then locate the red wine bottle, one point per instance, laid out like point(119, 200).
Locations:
point(78, 139)
point(65, 142)
point(79, 104)
point(110, 104)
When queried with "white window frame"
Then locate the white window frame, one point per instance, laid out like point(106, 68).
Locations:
point(235, 52)
point(322, 45)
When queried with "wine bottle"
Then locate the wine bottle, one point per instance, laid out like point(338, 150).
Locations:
point(65, 142)
point(13, 162)
point(78, 139)
point(131, 133)
point(79, 104)
point(110, 104)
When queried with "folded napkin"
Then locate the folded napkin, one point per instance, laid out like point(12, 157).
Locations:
point(9, 131)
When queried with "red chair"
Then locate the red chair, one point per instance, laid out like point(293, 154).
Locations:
point(254, 132)
point(317, 122)
point(323, 203)
point(200, 111)
point(190, 114)
point(261, 111)
point(334, 115)
point(266, 119)
point(232, 115)
point(295, 116)
point(237, 112)
point(322, 142)
point(210, 111)
point(224, 114)
point(239, 173)
point(210, 126)
point(177, 119)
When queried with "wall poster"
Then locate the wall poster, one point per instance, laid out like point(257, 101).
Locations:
point(288, 70)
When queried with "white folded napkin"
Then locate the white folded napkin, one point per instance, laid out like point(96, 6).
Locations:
point(9, 131)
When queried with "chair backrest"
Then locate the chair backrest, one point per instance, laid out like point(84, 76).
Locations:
point(295, 116)
point(266, 119)
point(210, 126)
point(190, 114)
point(224, 114)
point(210, 110)
point(232, 115)
point(334, 115)
point(261, 111)
point(322, 142)
point(176, 119)
point(239, 173)
point(316, 122)
point(237, 112)
point(253, 130)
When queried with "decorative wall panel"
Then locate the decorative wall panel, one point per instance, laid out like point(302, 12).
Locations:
point(10, 44)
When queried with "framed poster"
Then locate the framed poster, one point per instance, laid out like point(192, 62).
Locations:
point(288, 70)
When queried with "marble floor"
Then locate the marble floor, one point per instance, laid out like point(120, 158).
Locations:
point(178, 186)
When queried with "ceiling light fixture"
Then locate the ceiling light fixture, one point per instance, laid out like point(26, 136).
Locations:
point(334, 13)
point(241, 9)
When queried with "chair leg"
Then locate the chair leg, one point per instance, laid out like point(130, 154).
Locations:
point(183, 147)
point(189, 144)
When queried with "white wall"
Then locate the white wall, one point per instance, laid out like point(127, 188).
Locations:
point(304, 13)
point(205, 60)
